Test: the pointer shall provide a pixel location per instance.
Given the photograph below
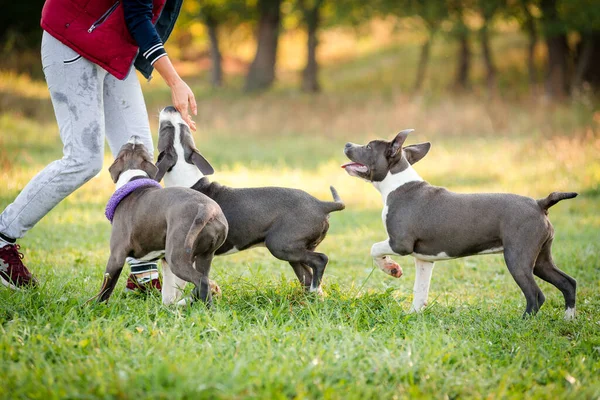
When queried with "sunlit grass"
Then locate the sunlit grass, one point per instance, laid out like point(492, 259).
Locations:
point(264, 338)
point(22, 85)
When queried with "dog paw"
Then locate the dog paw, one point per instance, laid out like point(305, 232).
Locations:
point(215, 290)
point(570, 314)
point(417, 308)
point(390, 267)
point(185, 302)
point(318, 291)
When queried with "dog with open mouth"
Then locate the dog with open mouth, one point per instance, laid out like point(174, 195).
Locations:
point(290, 223)
point(150, 222)
point(432, 223)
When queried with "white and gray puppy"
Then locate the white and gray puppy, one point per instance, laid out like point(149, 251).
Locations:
point(149, 222)
point(290, 223)
point(432, 224)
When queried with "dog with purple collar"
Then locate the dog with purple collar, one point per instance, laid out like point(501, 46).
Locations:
point(180, 225)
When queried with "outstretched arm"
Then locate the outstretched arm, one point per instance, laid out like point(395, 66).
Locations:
point(138, 17)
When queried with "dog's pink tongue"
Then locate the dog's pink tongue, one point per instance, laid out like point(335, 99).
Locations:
point(351, 163)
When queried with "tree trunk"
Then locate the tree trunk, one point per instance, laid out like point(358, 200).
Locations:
point(591, 74)
point(216, 76)
point(310, 78)
point(423, 62)
point(487, 57)
point(529, 26)
point(588, 58)
point(464, 60)
point(262, 70)
point(557, 83)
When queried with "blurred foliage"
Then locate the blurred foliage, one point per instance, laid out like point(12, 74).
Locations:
point(236, 21)
point(19, 28)
point(579, 15)
point(20, 25)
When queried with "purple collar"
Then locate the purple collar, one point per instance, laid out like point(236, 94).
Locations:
point(125, 191)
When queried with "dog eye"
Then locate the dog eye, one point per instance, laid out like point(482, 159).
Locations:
point(369, 147)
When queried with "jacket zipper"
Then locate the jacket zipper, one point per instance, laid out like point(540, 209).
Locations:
point(103, 18)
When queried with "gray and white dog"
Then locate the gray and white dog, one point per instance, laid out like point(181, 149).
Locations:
point(432, 224)
point(289, 222)
point(149, 222)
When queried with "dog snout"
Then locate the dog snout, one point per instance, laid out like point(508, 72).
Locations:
point(349, 146)
point(169, 109)
point(171, 114)
point(135, 139)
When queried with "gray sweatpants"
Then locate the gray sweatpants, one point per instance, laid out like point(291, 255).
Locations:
point(90, 104)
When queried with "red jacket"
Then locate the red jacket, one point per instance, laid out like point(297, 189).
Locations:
point(96, 30)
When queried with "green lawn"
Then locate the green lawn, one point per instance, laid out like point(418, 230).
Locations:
point(265, 338)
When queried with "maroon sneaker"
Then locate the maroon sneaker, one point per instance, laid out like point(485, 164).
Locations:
point(134, 286)
point(13, 273)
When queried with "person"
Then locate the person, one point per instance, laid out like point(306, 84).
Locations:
point(90, 50)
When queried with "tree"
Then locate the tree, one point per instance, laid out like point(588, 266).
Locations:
point(217, 15)
point(20, 26)
point(21, 36)
point(311, 11)
point(522, 12)
point(583, 17)
point(262, 70)
point(209, 13)
point(557, 75)
point(588, 60)
point(488, 9)
point(432, 13)
point(464, 50)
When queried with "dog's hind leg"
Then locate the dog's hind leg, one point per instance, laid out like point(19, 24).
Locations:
point(318, 263)
point(520, 262)
point(172, 287)
point(296, 253)
point(422, 281)
point(186, 272)
point(111, 276)
point(202, 291)
point(547, 270)
point(304, 274)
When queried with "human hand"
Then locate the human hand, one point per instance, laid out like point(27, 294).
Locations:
point(181, 94)
point(184, 100)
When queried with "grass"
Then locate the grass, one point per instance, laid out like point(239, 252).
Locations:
point(265, 338)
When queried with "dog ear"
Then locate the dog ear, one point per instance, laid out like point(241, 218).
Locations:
point(415, 152)
point(166, 160)
point(167, 157)
point(166, 136)
point(202, 163)
point(149, 168)
point(191, 153)
point(116, 168)
point(398, 141)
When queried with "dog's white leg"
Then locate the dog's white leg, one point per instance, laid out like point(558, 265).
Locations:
point(380, 253)
point(422, 281)
point(570, 314)
point(172, 287)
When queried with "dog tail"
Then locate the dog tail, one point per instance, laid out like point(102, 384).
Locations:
point(336, 205)
point(197, 226)
point(554, 198)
